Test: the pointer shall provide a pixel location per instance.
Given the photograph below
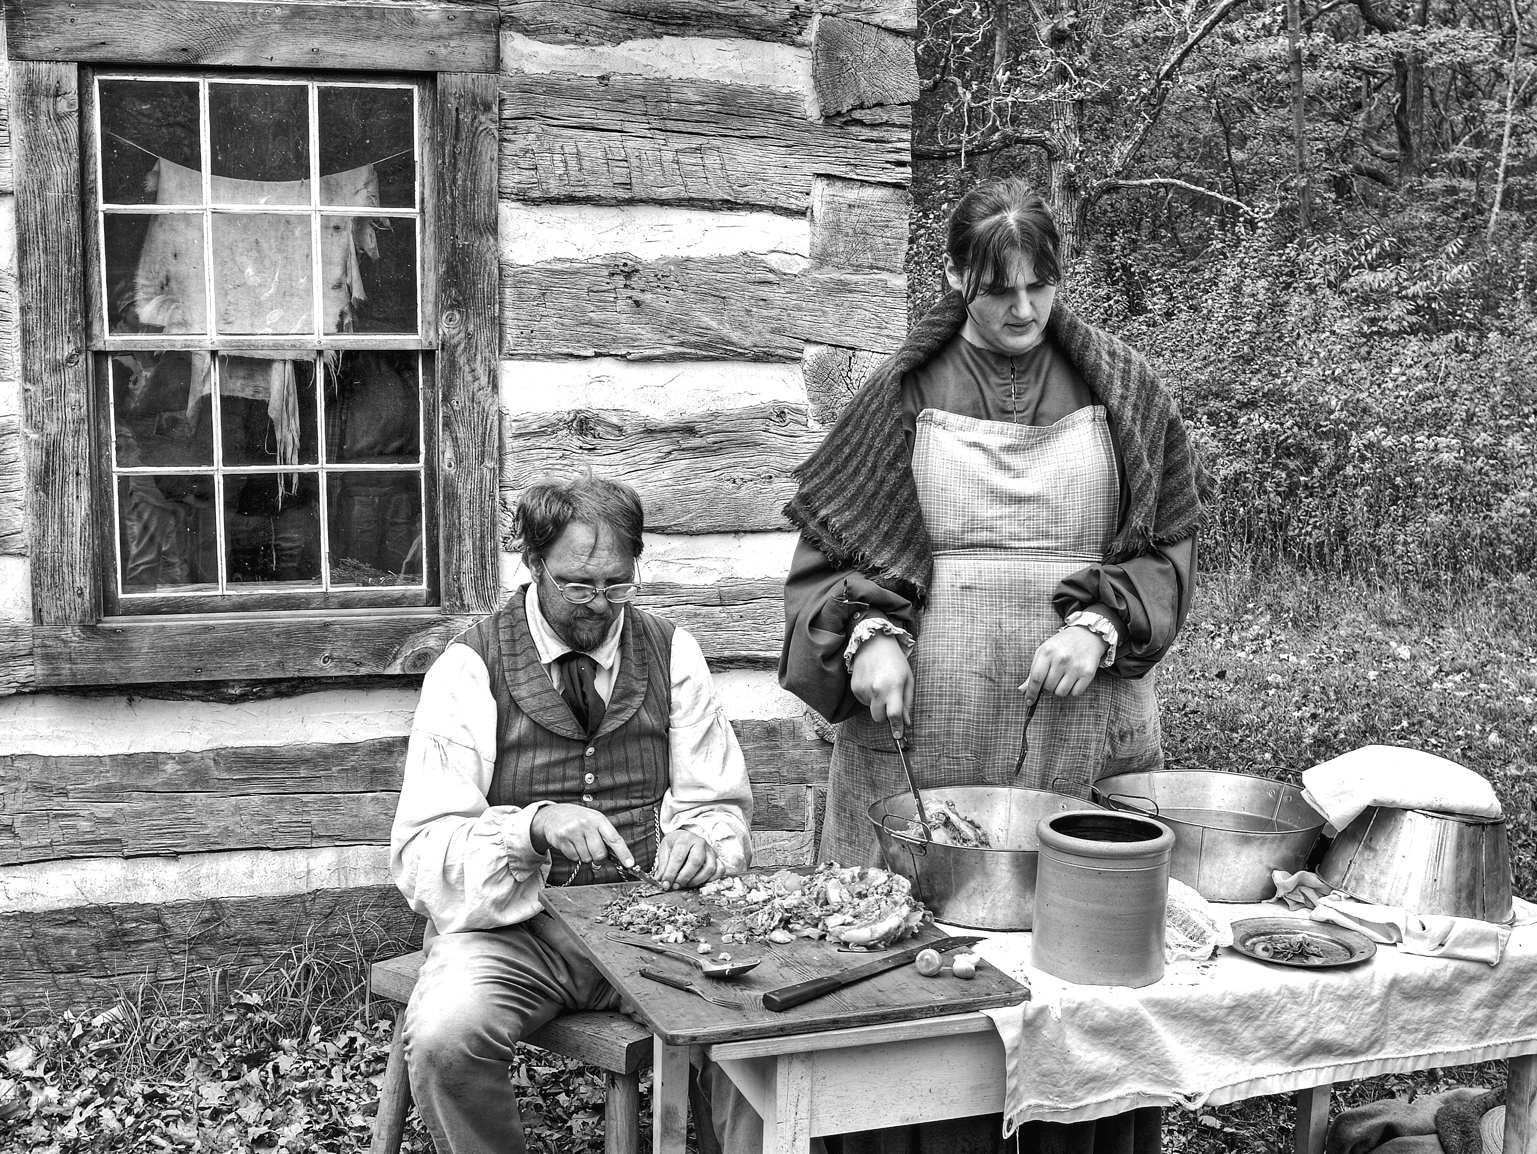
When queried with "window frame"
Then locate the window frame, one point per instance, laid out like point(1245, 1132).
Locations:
point(51, 50)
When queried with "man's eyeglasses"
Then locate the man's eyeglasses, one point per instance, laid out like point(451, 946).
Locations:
point(580, 592)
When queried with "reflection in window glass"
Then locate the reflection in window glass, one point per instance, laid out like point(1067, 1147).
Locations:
point(260, 141)
point(373, 127)
point(168, 531)
point(376, 528)
point(373, 411)
point(267, 409)
point(262, 272)
point(142, 123)
point(272, 526)
point(159, 418)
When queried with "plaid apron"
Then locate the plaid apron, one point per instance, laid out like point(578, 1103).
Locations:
point(1011, 510)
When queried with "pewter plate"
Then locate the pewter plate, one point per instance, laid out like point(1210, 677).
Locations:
point(1292, 942)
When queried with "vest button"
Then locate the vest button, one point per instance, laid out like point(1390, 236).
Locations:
point(587, 799)
point(589, 751)
point(588, 779)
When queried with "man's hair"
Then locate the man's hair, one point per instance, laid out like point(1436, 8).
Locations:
point(547, 507)
point(996, 223)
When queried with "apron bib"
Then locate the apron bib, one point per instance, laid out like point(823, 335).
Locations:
point(1011, 510)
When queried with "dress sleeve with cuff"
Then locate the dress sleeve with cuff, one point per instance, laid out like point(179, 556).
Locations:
point(462, 863)
point(709, 793)
point(1147, 596)
point(822, 606)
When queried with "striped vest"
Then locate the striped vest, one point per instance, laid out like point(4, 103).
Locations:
point(542, 754)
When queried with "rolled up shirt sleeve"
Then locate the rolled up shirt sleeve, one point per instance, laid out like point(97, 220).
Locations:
point(710, 794)
point(822, 606)
point(1147, 596)
point(459, 861)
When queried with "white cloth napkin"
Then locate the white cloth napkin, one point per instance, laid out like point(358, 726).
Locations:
point(1394, 777)
point(1431, 935)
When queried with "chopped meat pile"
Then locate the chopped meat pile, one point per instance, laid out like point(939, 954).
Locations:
point(664, 922)
point(858, 906)
point(948, 826)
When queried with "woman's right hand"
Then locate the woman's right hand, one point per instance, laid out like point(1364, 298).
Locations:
point(882, 679)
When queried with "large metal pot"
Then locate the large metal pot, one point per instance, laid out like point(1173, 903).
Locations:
point(1424, 862)
point(1230, 829)
point(991, 888)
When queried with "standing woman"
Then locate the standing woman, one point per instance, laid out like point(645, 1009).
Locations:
point(1007, 508)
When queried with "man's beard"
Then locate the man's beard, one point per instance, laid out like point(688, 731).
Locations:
point(583, 633)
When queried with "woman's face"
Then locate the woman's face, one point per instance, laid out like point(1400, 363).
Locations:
point(1010, 322)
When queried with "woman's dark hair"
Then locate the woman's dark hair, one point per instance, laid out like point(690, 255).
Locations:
point(996, 223)
point(546, 508)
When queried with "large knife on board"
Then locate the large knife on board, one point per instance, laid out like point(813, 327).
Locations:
point(787, 997)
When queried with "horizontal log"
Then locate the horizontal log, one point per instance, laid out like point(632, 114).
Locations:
point(616, 139)
point(856, 65)
point(13, 510)
point(157, 650)
point(892, 15)
point(17, 674)
point(855, 224)
point(55, 808)
point(783, 850)
point(85, 956)
point(748, 307)
point(366, 37)
point(727, 471)
point(615, 21)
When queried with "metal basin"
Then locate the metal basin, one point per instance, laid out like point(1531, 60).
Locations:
point(990, 888)
point(1230, 829)
point(1424, 862)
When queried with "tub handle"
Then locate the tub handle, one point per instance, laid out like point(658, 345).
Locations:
point(1118, 801)
point(906, 838)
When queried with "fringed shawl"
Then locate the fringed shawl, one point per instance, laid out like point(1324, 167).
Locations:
point(857, 500)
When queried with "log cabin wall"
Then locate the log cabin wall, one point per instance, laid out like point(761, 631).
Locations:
point(702, 225)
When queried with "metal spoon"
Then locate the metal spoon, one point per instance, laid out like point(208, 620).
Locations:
point(708, 968)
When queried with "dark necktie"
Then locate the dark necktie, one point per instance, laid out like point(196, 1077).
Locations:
point(579, 686)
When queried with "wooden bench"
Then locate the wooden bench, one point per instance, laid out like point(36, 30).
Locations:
point(613, 1043)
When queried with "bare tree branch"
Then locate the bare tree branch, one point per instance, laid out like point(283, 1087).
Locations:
point(1163, 83)
point(1105, 186)
point(991, 141)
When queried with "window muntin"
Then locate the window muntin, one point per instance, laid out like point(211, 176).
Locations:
point(260, 340)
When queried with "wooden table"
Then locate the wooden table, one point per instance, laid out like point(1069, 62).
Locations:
point(895, 1050)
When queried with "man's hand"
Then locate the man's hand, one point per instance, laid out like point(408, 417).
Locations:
point(685, 860)
point(1065, 664)
point(883, 680)
point(579, 833)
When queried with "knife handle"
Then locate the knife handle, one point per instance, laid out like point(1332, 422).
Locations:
point(788, 997)
point(667, 979)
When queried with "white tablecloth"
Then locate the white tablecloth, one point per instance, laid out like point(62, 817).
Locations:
point(1215, 1032)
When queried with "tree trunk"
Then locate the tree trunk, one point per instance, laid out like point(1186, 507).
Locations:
point(1299, 114)
point(1064, 190)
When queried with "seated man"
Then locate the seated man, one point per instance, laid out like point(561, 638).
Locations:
point(562, 733)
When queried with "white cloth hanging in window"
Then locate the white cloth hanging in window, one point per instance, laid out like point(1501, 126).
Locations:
point(262, 275)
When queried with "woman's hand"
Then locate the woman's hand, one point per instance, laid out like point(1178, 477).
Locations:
point(883, 680)
point(1065, 663)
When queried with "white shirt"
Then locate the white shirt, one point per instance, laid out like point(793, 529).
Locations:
point(469, 865)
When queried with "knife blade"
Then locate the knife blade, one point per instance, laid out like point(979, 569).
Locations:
point(787, 997)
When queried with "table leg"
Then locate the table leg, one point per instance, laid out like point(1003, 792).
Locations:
point(1312, 1119)
point(669, 1098)
point(1521, 1106)
point(787, 1128)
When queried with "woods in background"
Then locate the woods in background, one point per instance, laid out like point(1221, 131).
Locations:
point(1319, 220)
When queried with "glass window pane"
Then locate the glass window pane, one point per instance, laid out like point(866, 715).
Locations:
point(259, 135)
point(262, 273)
point(159, 417)
point(272, 527)
point(369, 265)
point(142, 123)
point(267, 409)
point(372, 406)
point(167, 532)
point(155, 278)
point(375, 528)
point(370, 129)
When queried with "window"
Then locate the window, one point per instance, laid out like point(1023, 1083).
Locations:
point(261, 396)
point(255, 303)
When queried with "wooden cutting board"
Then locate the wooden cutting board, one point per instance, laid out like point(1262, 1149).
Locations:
point(682, 1018)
